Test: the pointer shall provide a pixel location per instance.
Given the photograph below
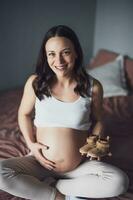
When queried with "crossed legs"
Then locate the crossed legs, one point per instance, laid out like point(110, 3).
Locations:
point(25, 177)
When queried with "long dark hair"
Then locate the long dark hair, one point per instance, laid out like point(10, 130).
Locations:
point(45, 76)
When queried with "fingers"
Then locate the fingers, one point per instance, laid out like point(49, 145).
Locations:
point(37, 152)
point(43, 146)
point(95, 158)
point(48, 162)
point(98, 158)
point(44, 161)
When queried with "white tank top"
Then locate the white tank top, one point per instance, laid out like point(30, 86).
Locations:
point(51, 112)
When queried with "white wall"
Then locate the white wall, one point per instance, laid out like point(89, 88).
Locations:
point(114, 26)
point(23, 25)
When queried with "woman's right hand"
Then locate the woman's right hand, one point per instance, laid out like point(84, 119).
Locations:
point(36, 149)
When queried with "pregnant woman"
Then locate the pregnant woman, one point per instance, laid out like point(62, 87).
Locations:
point(66, 102)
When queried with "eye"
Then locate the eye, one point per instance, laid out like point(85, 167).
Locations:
point(51, 54)
point(66, 53)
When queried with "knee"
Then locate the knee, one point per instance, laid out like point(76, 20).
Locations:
point(1, 172)
point(121, 184)
point(2, 166)
point(2, 169)
point(5, 172)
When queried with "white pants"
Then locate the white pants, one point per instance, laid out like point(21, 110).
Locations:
point(26, 178)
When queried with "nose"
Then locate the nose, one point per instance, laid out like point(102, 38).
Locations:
point(59, 60)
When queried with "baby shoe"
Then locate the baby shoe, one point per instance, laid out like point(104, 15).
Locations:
point(91, 143)
point(101, 149)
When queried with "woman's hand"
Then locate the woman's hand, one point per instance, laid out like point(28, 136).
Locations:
point(36, 149)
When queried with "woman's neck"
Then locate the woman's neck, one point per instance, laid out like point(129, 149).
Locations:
point(64, 81)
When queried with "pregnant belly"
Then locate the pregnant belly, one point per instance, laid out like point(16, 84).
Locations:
point(63, 146)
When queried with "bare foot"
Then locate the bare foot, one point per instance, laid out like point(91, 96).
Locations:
point(59, 196)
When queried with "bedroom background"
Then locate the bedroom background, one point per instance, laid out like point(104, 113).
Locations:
point(98, 23)
point(105, 30)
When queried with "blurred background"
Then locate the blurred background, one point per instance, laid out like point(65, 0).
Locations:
point(23, 23)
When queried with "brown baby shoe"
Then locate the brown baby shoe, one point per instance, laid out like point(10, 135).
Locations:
point(101, 149)
point(91, 143)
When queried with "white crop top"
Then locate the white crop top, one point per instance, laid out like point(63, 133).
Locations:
point(51, 112)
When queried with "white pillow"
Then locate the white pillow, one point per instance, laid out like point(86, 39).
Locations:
point(112, 77)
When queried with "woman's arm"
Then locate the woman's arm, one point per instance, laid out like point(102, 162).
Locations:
point(98, 146)
point(25, 110)
point(26, 124)
point(97, 108)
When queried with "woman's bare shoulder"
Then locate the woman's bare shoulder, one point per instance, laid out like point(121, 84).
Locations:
point(28, 88)
point(97, 87)
point(29, 97)
point(30, 80)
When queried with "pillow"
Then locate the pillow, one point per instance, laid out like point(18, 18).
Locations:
point(102, 57)
point(112, 77)
point(129, 71)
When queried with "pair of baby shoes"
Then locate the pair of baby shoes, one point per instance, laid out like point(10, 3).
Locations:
point(96, 147)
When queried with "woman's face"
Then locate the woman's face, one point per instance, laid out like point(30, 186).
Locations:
point(61, 55)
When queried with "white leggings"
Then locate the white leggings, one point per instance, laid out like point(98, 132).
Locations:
point(25, 177)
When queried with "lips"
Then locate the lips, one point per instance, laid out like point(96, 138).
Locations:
point(60, 67)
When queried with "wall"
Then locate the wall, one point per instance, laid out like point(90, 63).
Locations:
point(23, 25)
point(114, 26)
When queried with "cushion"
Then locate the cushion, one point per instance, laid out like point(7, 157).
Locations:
point(118, 115)
point(129, 71)
point(112, 77)
point(104, 56)
point(118, 124)
point(121, 148)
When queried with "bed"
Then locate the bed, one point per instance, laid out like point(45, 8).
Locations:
point(117, 120)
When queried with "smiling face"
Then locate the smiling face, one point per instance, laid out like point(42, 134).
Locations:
point(61, 55)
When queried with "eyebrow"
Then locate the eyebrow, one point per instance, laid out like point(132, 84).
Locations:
point(67, 48)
